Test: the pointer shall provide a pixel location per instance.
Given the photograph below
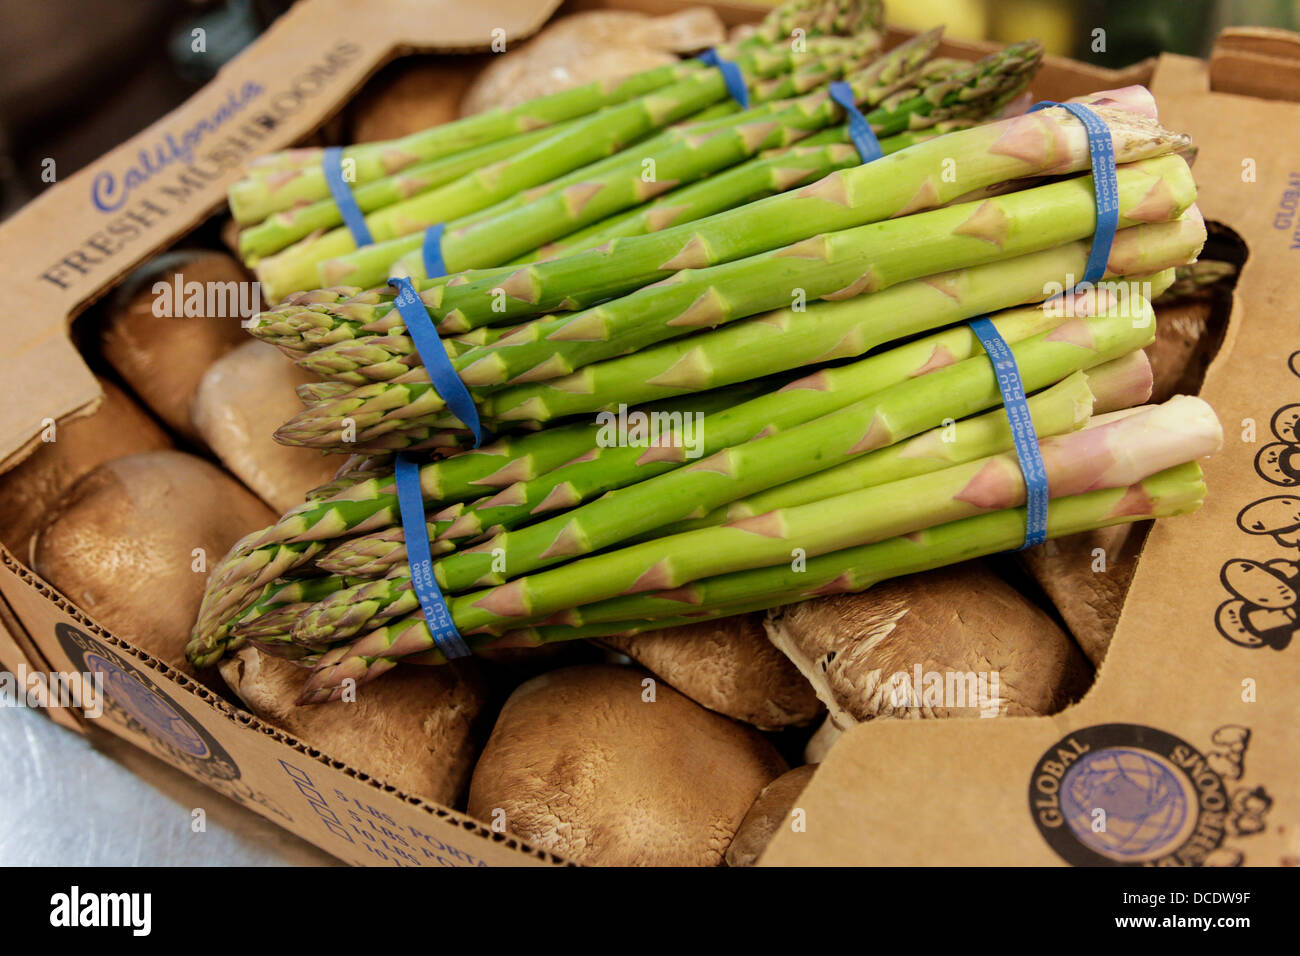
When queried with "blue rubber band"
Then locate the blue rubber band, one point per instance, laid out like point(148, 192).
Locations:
point(332, 165)
point(731, 75)
point(1022, 429)
point(434, 357)
point(432, 252)
point(860, 131)
point(410, 501)
point(1102, 151)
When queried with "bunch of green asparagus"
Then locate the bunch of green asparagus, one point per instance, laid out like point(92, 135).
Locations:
point(575, 169)
point(800, 408)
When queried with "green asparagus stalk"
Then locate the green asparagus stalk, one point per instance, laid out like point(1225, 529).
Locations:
point(929, 175)
point(1066, 406)
point(688, 158)
point(375, 160)
point(1169, 493)
point(578, 144)
point(762, 176)
point(269, 189)
point(1117, 455)
point(287, 226)
point(574, 146)
point(892, 314)
point(833, 330)
point(370, 504)
point(834, 266)
point(881, 419)
point(605, 469)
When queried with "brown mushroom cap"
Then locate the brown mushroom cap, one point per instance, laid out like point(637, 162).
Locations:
point(770, 812)
point(727, 665)
point(118, 427)
point(120, 544)
point(590, 45)
point(163, 359)
point(242, 399)
point(409, 95)
point(417, 729)
point(582, 765)
point(861, 651)
point(1089, 601)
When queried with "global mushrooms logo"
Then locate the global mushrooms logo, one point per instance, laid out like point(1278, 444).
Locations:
point(1129, 795)
point(134, 701)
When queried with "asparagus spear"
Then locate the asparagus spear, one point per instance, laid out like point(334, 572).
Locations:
point(279, 229)
point(881, 419)
point(1114, 455)
point(284, 179)
point(575, 145)
point(593, 197)
point(773, 172)
point(833, 266)
point(273, 187)
point(1118, 455)
point(891, 314)
point(830, 330)
point(578, 144)
point(1046, 141)
point(370, 503)
point(929, 175)
point(1172, 492)
point(1066, 406)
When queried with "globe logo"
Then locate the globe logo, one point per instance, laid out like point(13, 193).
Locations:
point(150, 709)
point(1145, 802)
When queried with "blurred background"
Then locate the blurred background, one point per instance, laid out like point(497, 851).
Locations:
point(105, 71)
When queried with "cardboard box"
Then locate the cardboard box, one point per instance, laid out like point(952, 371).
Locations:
point(891, 792)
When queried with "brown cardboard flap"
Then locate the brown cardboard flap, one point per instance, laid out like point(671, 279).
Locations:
point(19, 651)
point(70, 245)
point(356, 817)
point(1257, 61)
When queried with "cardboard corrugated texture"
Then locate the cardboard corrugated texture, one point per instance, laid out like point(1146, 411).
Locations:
point(1170, 711)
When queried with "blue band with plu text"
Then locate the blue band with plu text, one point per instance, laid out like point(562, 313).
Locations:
point(1101, 149)
point(431, 251)
point(410, 501)
point(453, 392)
point(332, 165)
point(1022, 428)
point(731, 75)
point(860, 131)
